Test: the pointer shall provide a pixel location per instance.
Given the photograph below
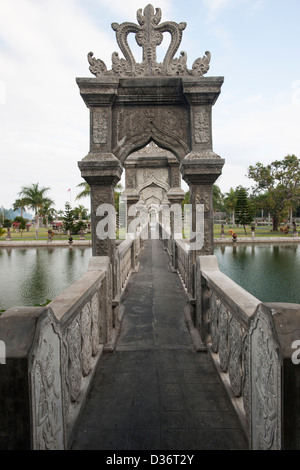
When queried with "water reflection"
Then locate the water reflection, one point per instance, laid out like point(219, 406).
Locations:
point(30, 276)
point(270, 272)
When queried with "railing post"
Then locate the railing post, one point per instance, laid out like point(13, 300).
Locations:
point(275, 377)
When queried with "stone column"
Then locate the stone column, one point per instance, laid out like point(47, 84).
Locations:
point(100, 168)
point(102, 175)
point(202, 166)
point(175, 196)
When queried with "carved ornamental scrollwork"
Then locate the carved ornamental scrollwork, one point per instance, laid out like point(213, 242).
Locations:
point(47, 412)
point(266, 419)
point(86, 323)
point(149, 34)
point(100, 126)
point(95, 303)
point(246, 376)
point(74, 362)
point(235, 356)
point(223, 341)
point(214, 322)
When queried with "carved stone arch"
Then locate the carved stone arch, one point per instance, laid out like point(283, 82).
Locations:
point(131, 144)
point(154, 180)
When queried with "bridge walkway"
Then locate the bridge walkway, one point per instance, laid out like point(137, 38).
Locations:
point(155, 392)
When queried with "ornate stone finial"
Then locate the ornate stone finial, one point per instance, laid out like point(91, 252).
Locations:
point(149, 35)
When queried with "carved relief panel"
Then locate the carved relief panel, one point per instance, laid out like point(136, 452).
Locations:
point(86, 323)
point(223, 342)
point(214, 322)
point(46, 387)
point(133, 124)
point(265, 364)
point(235, 356)
point(202, 129)
point(74, 359)
point(100, 126)
point(95, 303)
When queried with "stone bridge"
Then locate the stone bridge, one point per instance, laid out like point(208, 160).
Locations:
point(154, 347)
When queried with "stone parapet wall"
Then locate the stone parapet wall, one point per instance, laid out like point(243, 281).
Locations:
point(252, 346)
point(255, 348)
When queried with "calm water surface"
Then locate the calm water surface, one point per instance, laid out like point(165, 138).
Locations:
point(30, 276)
point(269, 272)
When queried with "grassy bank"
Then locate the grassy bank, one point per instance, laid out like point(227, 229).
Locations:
point(260, 231)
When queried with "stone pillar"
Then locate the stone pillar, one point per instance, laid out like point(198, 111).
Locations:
point(201, 166)
point(100, 168)
point(102, 175)
point(175, 196)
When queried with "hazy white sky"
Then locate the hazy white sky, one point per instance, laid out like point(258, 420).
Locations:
point(255, 45)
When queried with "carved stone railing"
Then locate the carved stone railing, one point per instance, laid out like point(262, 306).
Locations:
point(181, 261)
point(252, 347)
point(127, 253)
point(51, 355)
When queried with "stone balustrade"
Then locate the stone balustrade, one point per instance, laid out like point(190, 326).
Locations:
point(182, 261)
point(51, 354)
point(253, 348)
point(125, 253)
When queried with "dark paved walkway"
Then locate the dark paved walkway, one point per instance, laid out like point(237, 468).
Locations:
point(155, 392)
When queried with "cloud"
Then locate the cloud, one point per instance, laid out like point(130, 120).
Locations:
point(214, 7)
point(245, 134)
point(130, 7)
point(44, 122)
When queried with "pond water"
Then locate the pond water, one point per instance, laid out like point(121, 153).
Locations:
point(30, 276)
point(269, 272)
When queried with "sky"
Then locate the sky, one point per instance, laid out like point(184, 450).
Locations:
point(255, 46)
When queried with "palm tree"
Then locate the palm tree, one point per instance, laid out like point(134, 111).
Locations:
point(80, 212)
point(86, 191)
point(34, 198)
point(48, 211)
point(218, 199)
point(230, 203)
point(20, 204)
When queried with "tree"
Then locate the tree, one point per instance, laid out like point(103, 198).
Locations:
point(68, 219)
point(34, 198)
point(48, 212)
point(20, 204)
point(85, 191)
point(218, 199)
point(21, 223)
point(243, 212)
point(230, 203)
point(80, 212)
point(279, 182)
